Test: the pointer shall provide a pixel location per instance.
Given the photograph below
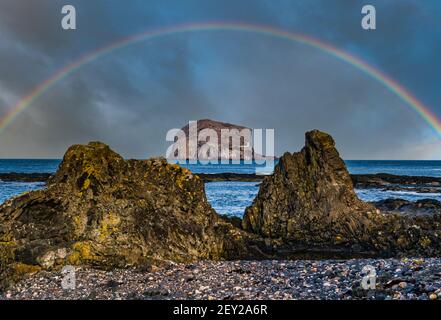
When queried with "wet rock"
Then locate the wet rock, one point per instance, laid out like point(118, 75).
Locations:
point(424, 206)
point(24, 177)
point(235, 221)
point(382, 180)
point(101, 210)
point(310, 201)
point(230, 176)
point(309, 198)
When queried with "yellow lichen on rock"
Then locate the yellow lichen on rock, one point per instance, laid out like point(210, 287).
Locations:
point(78, 224)
point(425, 242)
point(103, 211)
point(22, 268)
point(82, 251)
point(86, 184)
point(108, 225)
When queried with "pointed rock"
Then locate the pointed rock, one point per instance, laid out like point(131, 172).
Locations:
point(310, 200)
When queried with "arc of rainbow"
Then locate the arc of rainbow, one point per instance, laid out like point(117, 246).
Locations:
point(425, 113)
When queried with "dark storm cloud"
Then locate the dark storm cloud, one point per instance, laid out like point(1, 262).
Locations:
point(131, 97)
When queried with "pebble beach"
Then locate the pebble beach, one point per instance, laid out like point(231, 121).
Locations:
point(397, 279)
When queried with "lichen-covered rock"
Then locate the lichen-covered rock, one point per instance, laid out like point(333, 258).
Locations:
point(104, 211)
point(310, 200)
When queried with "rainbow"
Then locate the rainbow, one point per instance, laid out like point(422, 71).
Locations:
point(423, 111)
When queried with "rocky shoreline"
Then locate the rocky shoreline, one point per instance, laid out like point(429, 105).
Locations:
point(420, 207)
point(405, 279)
point(382, 181)
point(24, 177)
point(102, 212)
point(363, 181)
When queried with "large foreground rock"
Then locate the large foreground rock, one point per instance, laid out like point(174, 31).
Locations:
point(101, 210)
point(310, 200)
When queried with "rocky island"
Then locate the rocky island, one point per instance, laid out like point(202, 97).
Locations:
point(230, 142)
point(136, 219)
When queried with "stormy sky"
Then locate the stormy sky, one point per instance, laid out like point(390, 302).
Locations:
point(130, 98)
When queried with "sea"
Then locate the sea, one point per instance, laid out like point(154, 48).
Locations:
point(231, 198)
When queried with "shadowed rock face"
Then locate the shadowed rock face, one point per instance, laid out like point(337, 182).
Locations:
point(420, 207)
point(101, 210)
point(309, 198)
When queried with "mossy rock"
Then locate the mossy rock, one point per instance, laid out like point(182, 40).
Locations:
point(310, 200)
point(103, 211)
